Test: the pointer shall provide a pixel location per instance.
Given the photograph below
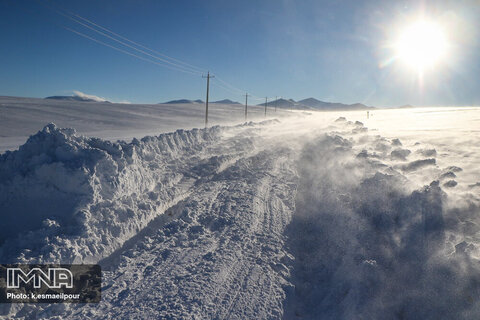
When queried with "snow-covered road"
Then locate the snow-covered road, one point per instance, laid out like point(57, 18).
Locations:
point(303, 218)
point(215, 251)
point(218, 252)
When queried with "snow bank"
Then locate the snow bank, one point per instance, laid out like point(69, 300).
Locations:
point(68, 198)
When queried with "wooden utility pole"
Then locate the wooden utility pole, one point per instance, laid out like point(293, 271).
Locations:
point(206, 101)
point(246, 97)
point(266, 106)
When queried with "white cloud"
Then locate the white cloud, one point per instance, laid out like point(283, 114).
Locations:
point(88, 96)
point(96, 98)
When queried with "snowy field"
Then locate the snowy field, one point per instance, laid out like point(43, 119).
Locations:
point(303, 215)
point(22, 117)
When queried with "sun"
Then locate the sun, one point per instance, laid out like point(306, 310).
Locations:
point(422, 45)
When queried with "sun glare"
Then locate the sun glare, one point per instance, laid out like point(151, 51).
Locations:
point(422, 45)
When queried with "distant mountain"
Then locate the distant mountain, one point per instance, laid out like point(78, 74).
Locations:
point(322, 105)
point(280, 103)
point(182, 101)
point(74, 98)
point(226, 101)
point(314, 104)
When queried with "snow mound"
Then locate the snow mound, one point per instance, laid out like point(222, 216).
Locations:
point(400, 154)
point(68, 198)
point(418, 164)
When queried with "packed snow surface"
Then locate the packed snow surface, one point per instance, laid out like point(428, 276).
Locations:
point(326, 215)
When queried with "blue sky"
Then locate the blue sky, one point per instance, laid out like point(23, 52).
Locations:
point(330, 50)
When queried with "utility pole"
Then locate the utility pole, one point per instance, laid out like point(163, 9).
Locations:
point(246, 97)
point(206, 101)
point(276, 98)
point(266, 106)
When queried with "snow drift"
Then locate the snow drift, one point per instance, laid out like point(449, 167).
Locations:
point(68, 198)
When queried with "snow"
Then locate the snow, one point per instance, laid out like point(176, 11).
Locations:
point(312, 215)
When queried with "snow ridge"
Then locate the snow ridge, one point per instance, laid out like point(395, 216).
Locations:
point(89, 195)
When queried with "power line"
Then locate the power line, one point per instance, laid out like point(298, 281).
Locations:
point(224, 88)
point(126, 52)
point(132, 47)
point(256, 98)
point(139, 45)
point(240, 91)
point(162, 59)
point(73, 17)
point(227, 86)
